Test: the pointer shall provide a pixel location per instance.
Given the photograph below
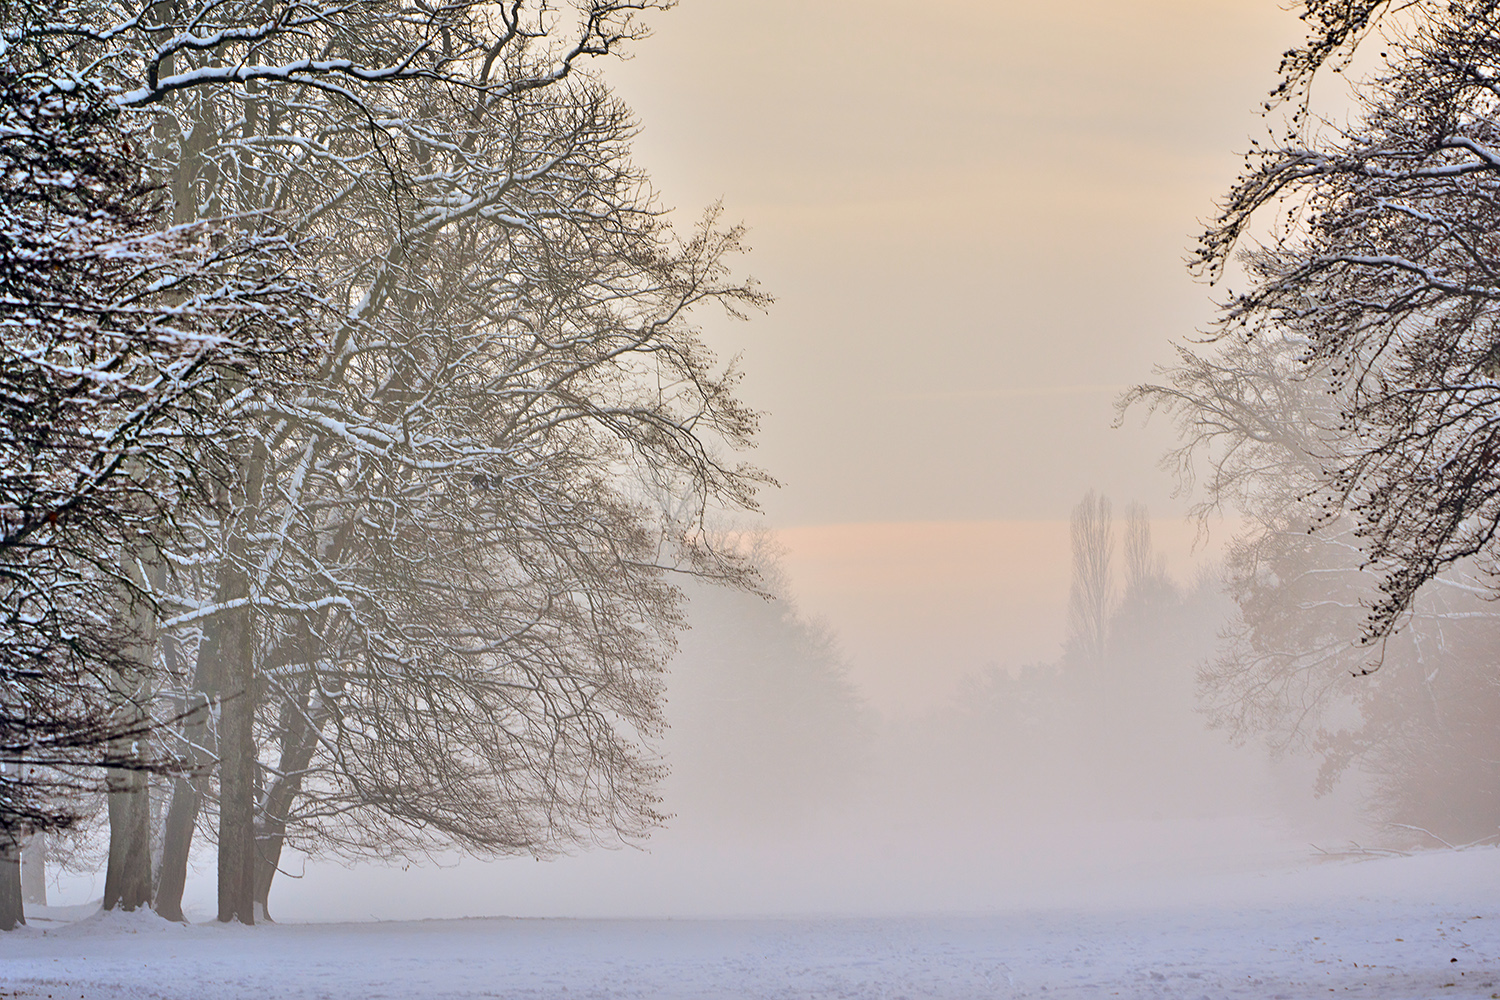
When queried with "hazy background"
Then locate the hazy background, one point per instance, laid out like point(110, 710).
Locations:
point(974, 216)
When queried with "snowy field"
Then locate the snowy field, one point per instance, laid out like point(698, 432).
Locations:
point(1420, 927)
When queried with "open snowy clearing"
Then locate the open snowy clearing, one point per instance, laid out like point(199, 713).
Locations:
point(1424, 926)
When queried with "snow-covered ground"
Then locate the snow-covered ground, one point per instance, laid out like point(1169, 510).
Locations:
point(1405, 927)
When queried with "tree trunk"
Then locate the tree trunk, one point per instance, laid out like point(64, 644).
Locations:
point(12, 909)
point(127, 880)
point(269, 840)
point(187, 799)
point(34, 870)
point(177, 842)
point(237, 760)
point(237, 810)
point(301, 725)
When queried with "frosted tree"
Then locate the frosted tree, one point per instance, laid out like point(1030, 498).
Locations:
point(1346, 402)
point(434, 611)
point(1416, 713)
point(1145, 567)
point(115, 335)
point(1385, 274)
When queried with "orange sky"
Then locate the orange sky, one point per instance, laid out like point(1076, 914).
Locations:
point(918, 605)
point(974, 216)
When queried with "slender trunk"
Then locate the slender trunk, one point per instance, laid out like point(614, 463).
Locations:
point(270, 838)
point(34, 870)
point(176, 843)
point(187, 798)
point(301, 726)
point(169, 648)
point(302, 723)
point(12, 908)
point(127, 881)
point(182, 812)
point(237, 763)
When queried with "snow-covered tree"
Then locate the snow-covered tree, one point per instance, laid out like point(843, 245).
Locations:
point(1385, 273)
point(1416, 714)
point(116, 336)
point(1347, 406)
point(435, 610)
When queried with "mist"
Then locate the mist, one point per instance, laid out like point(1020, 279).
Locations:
point(799, 786)
point(838, 499)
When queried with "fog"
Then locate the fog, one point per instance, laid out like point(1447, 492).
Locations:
point(1036, 784)
point(973, 219)
point(801, 784)
point(973, 216)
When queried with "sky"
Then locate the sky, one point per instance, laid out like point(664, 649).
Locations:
point(974, 215)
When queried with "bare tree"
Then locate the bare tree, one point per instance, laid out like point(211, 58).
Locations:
point(1145, 567)
point(438, 604)
point(115, 335)
point(1289, 671)
point(1257, 416)
point(1385, 275)
point(1091, 593)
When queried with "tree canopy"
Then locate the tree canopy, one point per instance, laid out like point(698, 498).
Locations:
point(1347, 406)
point(427, 601)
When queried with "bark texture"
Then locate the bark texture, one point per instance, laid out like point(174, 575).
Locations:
point(237, 760)
point(301, 725)
point(202, 748)
point(237, 767)
point(34, 870)
point(12, 909)
point(127, 880)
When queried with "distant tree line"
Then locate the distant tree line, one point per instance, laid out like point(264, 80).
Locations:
point(1107, 730)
